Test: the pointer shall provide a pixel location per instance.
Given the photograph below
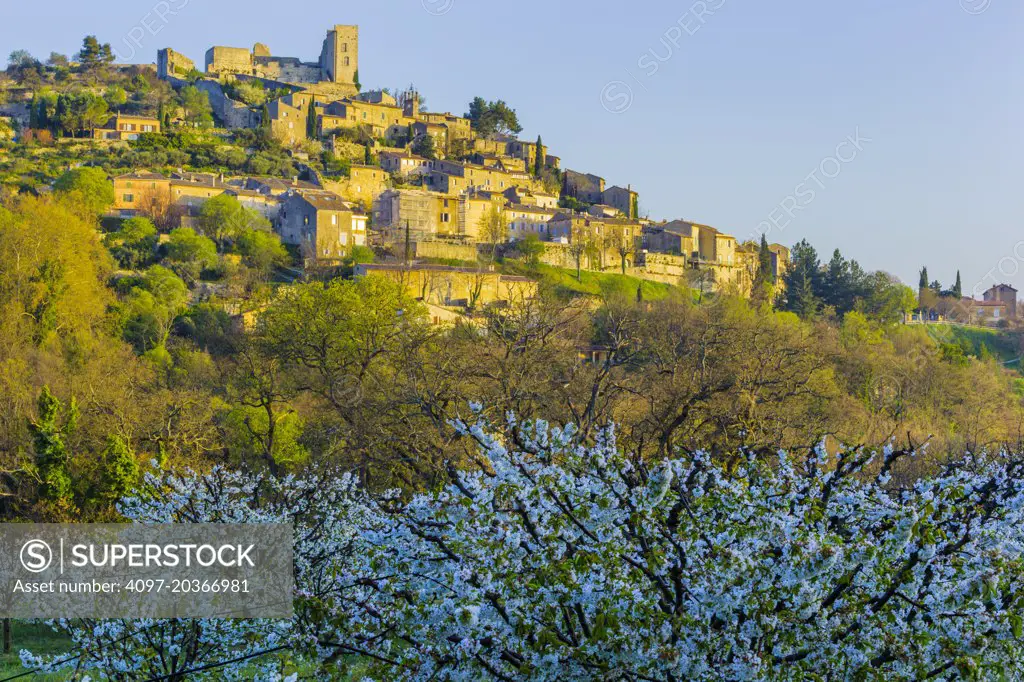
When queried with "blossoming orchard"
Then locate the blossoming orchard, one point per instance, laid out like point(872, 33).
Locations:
point(558, 560)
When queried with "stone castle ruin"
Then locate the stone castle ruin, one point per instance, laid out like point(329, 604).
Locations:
point(336, 73)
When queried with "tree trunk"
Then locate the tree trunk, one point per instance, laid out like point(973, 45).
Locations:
point(7, 635)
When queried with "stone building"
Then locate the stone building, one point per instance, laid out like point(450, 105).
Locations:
point(338, 63)
point(122, 127)
point(583, 186)
point(321, 224)
point(423, 214)
point(1003, 293)
point(622, 198)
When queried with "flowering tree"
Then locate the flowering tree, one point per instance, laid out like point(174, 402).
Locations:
point(558, 561)
point(322, 510)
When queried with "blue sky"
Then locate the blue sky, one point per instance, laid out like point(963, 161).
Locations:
point(729, 112)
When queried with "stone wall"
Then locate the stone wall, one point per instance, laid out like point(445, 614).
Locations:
point(665, 264)
point(229, 113)
point(287, 69)
point(444, 251)
point(228, 60)
point(171, 64)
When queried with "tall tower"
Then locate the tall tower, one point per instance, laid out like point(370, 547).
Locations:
point(340, 57)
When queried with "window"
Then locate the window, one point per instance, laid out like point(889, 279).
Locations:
point(129, 198)
point(334, 219)
point(346, 61)
point(305, 220)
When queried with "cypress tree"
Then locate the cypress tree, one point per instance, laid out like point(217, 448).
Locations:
point(538, 163)
point(958, 289)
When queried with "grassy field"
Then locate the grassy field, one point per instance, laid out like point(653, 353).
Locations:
point(1002, 345)
point(39, 639)
point(594, 283)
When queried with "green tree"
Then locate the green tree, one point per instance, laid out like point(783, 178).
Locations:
point(89, 186)
point(115, 96)
point(94, 55)
point(311, 122)
point(150, 309)
point(189, 253)
point(120, 472)
point(196, 106)
point(19, 59)
point(538, 162)
point(958, 288)
point(803, 281)
point(50, 432)
point(493, 118)
point(763, 288)
point(531, 248)
point(261, 250)
point(924, 278)
point(223, 218)
point(425, 146)
point(135, 243)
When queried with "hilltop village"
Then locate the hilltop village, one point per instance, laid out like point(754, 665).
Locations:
point(438, 199)
point(417, 186)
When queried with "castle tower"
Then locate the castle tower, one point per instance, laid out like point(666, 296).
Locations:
point(339, 59)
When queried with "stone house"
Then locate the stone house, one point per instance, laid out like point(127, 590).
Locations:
point(583, 186)
point(604, 241)
point(424, 214)
point(622, 198)
point(122, 127)
point(321, 224)
point(437, 131)
point(456, 127)
point(524, 220)
point(139, 191)
point(376, 97)
point(403, 163)
point(381, 120)
point(1005, 294)
point(266, 205)
point(604, 211)
point(287, 123)
point(191, 190)
point(362, 186)
point(277, 187)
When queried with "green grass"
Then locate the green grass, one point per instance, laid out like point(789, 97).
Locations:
point(595, 283)
point(1002, 345)
point(38, 639)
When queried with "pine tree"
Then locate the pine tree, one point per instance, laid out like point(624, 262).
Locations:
point(94, 55)
point(120, 469)
point(311, 122)
point(764, 278)
point(49, 442)
point(803, 281)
